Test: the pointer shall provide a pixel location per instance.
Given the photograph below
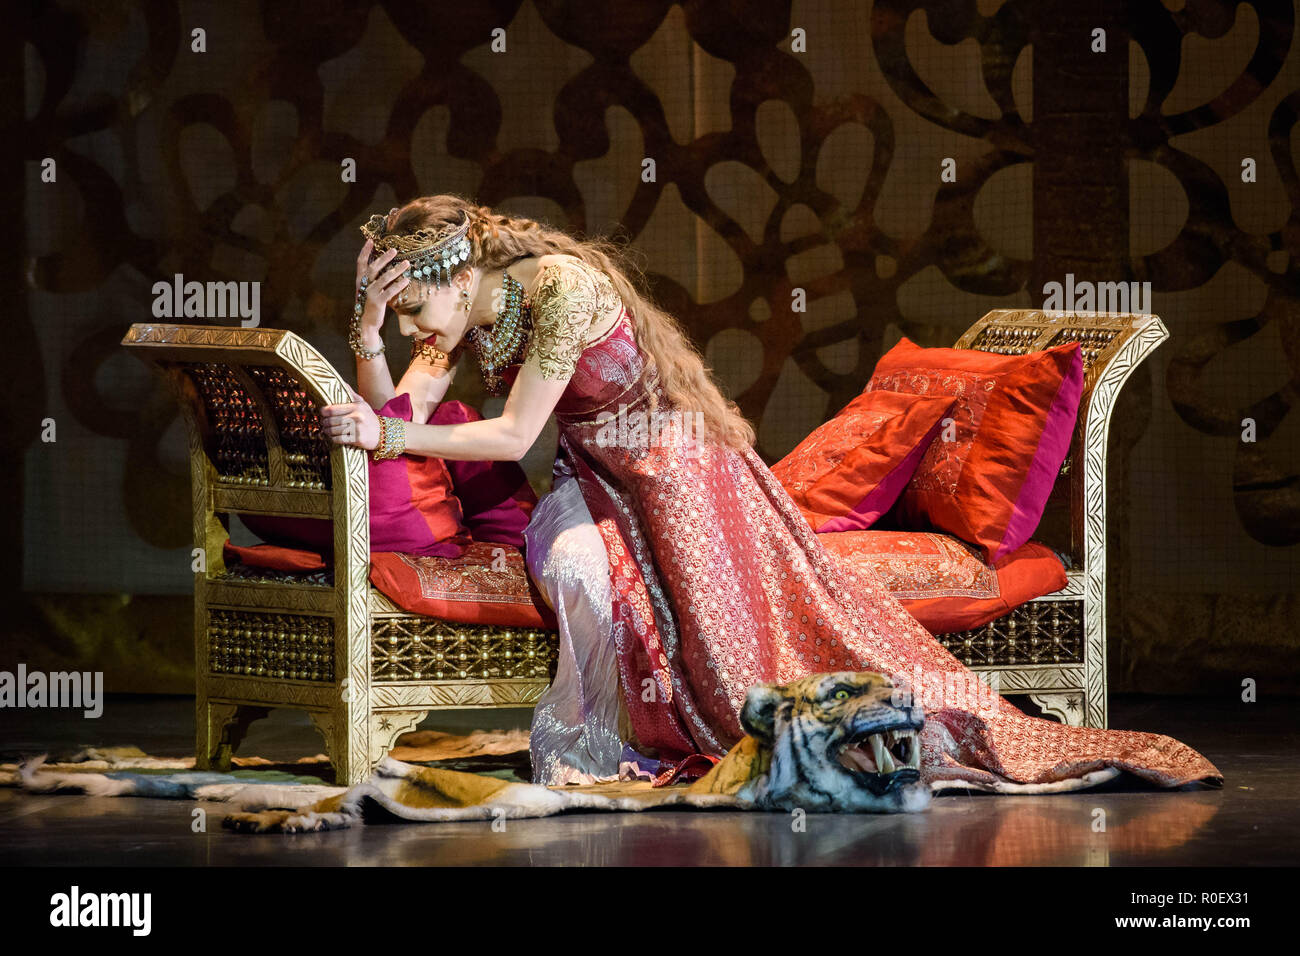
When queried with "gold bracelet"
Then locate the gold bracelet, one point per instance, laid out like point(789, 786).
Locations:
point(381, 447)
point(397, 429)
point(392, 439)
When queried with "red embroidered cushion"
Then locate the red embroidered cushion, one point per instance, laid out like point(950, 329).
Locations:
point(848, 472)
point(495, 496)
point(487, 584)
point(988, 481)
point(942, 581)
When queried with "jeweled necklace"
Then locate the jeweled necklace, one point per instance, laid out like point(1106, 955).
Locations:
point(497, 346)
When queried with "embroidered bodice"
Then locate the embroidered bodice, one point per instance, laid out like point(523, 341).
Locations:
point(607, 372)
point(569, 299)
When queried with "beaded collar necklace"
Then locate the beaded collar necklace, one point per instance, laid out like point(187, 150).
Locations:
point(498, 346)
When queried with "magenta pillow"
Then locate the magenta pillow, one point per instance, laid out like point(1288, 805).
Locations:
point(413, 506)
point(495, 496)
point(313, 534)
point(424, 506)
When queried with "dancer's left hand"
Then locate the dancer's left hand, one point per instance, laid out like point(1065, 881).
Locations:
point(351, 423)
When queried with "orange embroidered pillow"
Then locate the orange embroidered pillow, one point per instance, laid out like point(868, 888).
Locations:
point(987, 481)
point(942, 583)
point(848, 472)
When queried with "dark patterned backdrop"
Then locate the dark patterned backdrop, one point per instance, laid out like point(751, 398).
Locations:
point(778, 166)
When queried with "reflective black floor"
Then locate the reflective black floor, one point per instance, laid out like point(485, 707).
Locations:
point(1253, 820)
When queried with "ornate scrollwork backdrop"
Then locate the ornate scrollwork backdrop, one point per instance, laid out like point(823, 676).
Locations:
point(776, 168)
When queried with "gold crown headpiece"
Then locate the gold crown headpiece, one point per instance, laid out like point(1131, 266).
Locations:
point(433, 254)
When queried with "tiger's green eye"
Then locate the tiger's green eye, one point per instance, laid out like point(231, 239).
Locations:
point(841, 695)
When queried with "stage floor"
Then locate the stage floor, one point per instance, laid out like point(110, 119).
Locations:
point(1253, 820)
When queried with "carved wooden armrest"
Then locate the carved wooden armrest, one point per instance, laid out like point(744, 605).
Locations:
point(1068, 679)
point(251, 400)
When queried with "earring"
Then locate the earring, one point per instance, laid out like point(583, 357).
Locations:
point(465, 298)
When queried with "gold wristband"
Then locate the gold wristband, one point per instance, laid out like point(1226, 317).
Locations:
point(392, 439)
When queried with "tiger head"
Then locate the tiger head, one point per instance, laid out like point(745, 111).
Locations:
point(838, 742)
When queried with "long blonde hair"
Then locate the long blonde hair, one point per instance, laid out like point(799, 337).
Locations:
point(498, 240)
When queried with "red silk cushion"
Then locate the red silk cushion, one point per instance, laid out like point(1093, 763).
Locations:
point(488, 584)
point(849, 471)
point(495, 496)
point(1013, 420)
point(943, 582)
point(276, 557)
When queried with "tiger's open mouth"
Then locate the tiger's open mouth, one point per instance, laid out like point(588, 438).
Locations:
point(883, 760)
point(842, 741)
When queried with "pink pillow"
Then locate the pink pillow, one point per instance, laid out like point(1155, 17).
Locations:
point(425, 506)
point(413, 508)
point(495, 496)
point(314, 534)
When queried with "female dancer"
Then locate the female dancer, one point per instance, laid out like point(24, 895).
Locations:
point(681, 572)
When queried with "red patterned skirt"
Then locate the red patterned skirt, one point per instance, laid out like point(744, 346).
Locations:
point(719, 584)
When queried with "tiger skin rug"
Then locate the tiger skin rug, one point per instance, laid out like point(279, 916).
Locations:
point(838, 742)
point(825, 743)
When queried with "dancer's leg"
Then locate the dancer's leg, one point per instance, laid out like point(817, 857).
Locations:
point(575, 732)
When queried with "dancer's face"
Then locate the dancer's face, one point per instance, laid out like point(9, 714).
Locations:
point(440, 317)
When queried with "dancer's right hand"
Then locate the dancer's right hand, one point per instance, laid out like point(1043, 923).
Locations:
point(384, 280)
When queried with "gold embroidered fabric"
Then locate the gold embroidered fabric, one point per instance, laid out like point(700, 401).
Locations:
point(917, 565)
point(569, 297)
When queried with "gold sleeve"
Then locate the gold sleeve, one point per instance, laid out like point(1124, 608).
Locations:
point(563, 307)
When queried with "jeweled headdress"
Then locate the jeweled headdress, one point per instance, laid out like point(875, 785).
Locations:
point(433, 254)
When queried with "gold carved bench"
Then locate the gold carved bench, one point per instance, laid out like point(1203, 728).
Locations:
point(327, 643)
point(330, 644)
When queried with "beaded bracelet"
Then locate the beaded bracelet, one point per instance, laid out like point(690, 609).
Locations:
point(354, 331)
point(392, 438)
